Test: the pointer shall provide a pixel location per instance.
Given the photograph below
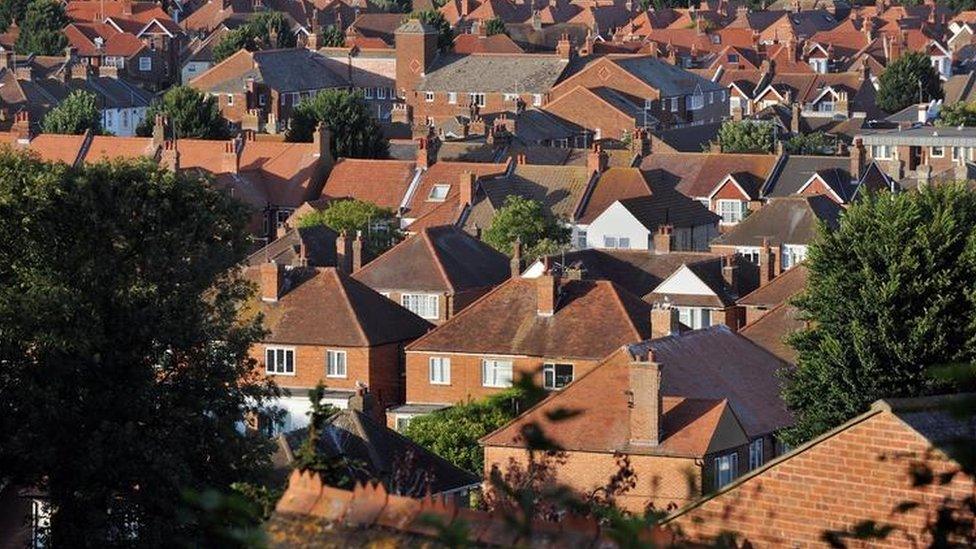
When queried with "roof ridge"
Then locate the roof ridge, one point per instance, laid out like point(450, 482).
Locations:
point(464, 312)
point(616, 291)
point(345, 293)
point(428, 240)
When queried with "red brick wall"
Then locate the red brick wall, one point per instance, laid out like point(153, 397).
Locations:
point(440, 109)
point(728, 191)
point(861, 473)
point(817, 187)
point(466, 376)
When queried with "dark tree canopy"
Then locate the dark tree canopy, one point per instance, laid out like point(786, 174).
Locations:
point(355, 132)
point(379, 227)
point(957, 114)
point(191, 114)
point(526, 221)
point(76, 114)
point(889, 295)
point(816, 143)
point(125, 362)
point(12, 11)
point(332, 37)
point(494, 26)
point(40, 31)
point(746, 136)
point(910, 79)
point(445, 35)
point(266, 30)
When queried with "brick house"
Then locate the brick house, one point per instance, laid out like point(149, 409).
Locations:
point(436, 273)
point(691, 410)
point(325, 326)
point(921, 153)
point(554, 329)
point(860, 471)
point(835, 177)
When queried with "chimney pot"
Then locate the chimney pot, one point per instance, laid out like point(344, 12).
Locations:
point(767, 269)
point(344, 253)
point(357, 252)
point(662, 239)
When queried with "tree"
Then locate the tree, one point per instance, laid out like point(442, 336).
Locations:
point(191, 115)
point(957, 114)
point(267, 30)
point(241, 38)
point(445, 36)
point(746, 136)
point(494, 26)
point(910, 79)
point(817, 143)
point(379, 226)
point(525, 220)
point(40, 32)
point(332, 37)
point(890, 293)
point(12, 11)
point(355, 132)
point(76, 114)
point(121, 341)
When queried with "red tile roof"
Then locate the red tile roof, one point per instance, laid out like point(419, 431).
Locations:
point(475, 43)
point(779, 289)
point(698, 174)
point(771, 330)
point(381, 182)
point(446, 173)
point(613, 185)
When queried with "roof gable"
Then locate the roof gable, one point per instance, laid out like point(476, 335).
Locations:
point(684, 281)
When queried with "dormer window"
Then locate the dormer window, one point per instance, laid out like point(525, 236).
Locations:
point(438, 193)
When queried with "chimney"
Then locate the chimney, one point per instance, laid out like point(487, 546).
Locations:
point(662, 239)
point(767, 269)
point(546, 293)
point(344, 253)
point(645, 402)
point(516, 261)
point(363, 401)
point(857, 159)
point(126, 7)
point(158, 132)
point(423, 153)
point(170, 157)
point(322, 141)
point(597, 159)
point(664, 320)
point(868, 28)
point(795, 118)
point(230, 161)
point(730, 273)
point(468, 182)
point(7, 59)
point(272, 281)
point(22, 127)
point(357, 252)
point(894, 51)
point(923, 113)
point(563, 48)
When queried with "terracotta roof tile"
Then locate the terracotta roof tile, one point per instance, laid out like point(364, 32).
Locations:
point(771, 330)
point(381, 182)
point(698, 174)
point(475, 43)
point(613, 185)
point(446, 173)
point(779, 289)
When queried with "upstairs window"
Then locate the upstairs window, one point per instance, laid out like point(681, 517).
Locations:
point(732, 211)
point(429, 97)
point(755, 454)
point(726, 469)
point(537, 100)
point(496, 373)
point(478, 99)
point(279, 360)
point(556, 376)
point(452, 98)
point(422, 305)
point(368, 93)
point(511, 97)
point(335, 363)
point(440, 370)
point(695, 102)
point(381, 93)
point(145, 64)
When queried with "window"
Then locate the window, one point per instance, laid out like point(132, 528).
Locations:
point(478, 99)
point(537, 99)
point(438, 193)
point(230, 99)
point(401, 423)
point(674, 104)
point(496, 373)
point(695, 317)
point(721, 95)
point(511, 97)
point(145, 64)
point(750, 253)
point(440, 370)
point(556, 376)
point(422, 305)
point(733, 58)
point(793, 254)
point(381, 93)
point(295, 98)
point(755, 454)
point(726, 469)
point(125, 118)
point(695, 102)
point(452, 98)
point(335, 363)
point(368, 93)
point(429, 97)
point(881, 152)
point(731, 211)
point(262, 100)
point(613, 242)
point(581, 240)
point(938, 152)
point(279, 360)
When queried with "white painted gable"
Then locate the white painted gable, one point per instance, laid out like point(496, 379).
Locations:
point(683, 282)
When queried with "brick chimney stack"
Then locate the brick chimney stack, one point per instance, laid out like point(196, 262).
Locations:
point(564, 49)
point(231, 158)
point(662, 239)
point(159, 131)
point(857, 158)
point(272, 281)
point(645, 401)
point(357, 252)
point(423, 153)
point(170, 156)
point(516, 261)
point(22, 127)
point(547, 286)
point(767, 267)
point(730, 273)
point(597, 159)
point(664, 320)
point(322, 141)
point(468, 183)
point(344, 259)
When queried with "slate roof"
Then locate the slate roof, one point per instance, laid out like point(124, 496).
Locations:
point(488, 73)
point(285, 70)
point(443, 259)
point(689, 138)
point(698, 174)
point(787, 220)
point(325, 307)
point(796, 170)
point(320, 248)
point(668, 79)
point(592, 318)
point(382, 453)
point(668, 207)
point(960, 88)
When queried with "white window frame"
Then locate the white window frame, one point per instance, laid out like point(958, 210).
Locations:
point(429, 97)
point(381, 93)
point(616, 242)
point(750, 253)
point(423, 305)
point(510, 97)
point(726, 469)
point(368, 93)
point(549, 375)
point(439, 370)
point(792, 254)
point(230, 99)
point(755, 454)
point(536, 99)
point(674, 104)
point(435, 193)
point(939, 148)
point(478, 99)
point(145, 63)
point(695, 102)
point(284, 354)
point(452, 98)
point(493, 373)
point(695, 318)
point(333, 366)
point(881, 152)
point(581, 239)
point(731, 210)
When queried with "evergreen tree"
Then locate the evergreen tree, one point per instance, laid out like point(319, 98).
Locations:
point(355, 133)
point(126, 369)
point(191, 115)
point(890, 294)
point(76, 114)
point(908, 80)
point(267, 30)
point(332, 37)
point(816, 143)
point(957, 114)
point(241, 38)
point(445, 35)
point(40, 32)
point(494, 26)
point(379, 227)
point(746, 136)
point(12, 11)
point(526, 221)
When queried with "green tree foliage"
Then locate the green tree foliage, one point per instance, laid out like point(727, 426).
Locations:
point(890, 294)
point(908, 80)
point(11, 11)
point(266, 30)
point(378, 226)
point(816, 143)
point(957, 114)
point(355, 133)
point(494, 26)
point(746, 136)
point(397, 6)
point(125, 362)
point(332, 37)
point(76, 114)
point(191, 114)
point(445, 36)
point(525, 220)
point(40, 31)
point(338, 471)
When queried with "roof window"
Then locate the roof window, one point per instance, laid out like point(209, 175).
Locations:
point(438, 193)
